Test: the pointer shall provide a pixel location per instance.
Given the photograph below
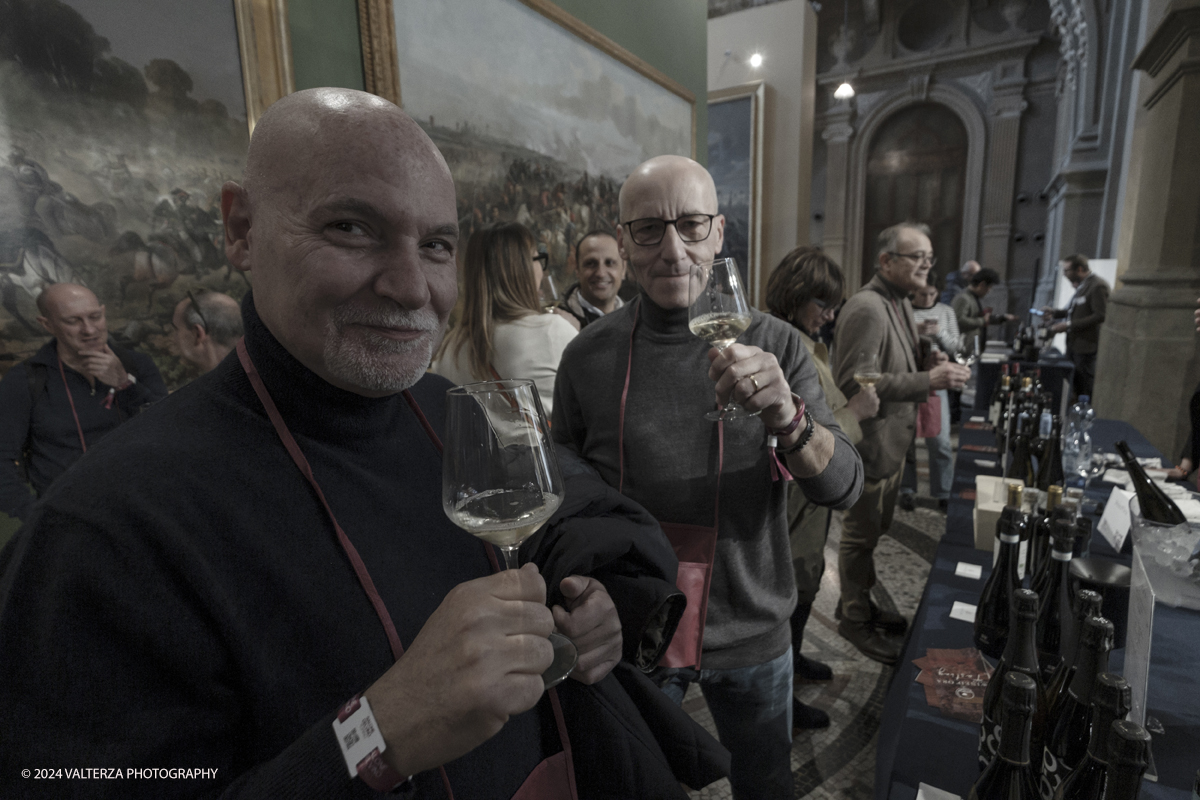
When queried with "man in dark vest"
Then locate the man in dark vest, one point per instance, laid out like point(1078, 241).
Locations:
point(253, 590)
point(75, 390)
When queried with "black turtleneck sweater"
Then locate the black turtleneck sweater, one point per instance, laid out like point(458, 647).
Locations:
point(179, 599)
point(671, 460)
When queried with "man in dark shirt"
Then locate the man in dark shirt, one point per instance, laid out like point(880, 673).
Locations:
point(1084, 315)
point(205, 328)
point(76, 389)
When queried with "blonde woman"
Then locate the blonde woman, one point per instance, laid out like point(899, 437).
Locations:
point(503, 332)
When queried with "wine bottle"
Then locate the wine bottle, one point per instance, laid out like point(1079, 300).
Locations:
point(1111, 701)
point(1128, 748)
point(1083, 537)
point(992, 611)
point(1020, 655)
point(1057, 615)
point(1040, 534)
point(996, 401)
point(1050, 471)
point(1009, 776)
point(1070, 720)
point(1087, 605)
point(1021, 465)
point(1155, 505)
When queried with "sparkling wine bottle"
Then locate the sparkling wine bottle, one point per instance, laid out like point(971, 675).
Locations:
point(1020, 655)
point(1110, 702)
point(1154, 503)
point(992, 611)
point(1009, 776)
point(1050, 471)
point(1056, 617)
point(1128, 749)
point(1040, 535)
point(1070, 720)
point(1087, 605)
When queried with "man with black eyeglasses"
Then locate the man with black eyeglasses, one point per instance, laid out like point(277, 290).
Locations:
point(878, 322)
point(205, 328)
point(631, 397)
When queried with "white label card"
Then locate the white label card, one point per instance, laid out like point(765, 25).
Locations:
point(1116, 520)
point(973, 419)
point(965, 570)
point(983, 462)
point(927, 792)
point(963, 611)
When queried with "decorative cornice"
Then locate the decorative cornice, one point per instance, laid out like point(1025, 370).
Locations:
point(941, 61)
point(1068, 19)
point(1181, 22)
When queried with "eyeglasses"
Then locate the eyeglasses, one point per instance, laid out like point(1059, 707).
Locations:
point(917, 257)
point(542, 257)
point(196, 307)
point(650, 231)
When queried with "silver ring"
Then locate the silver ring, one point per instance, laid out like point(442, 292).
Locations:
point(755, 382)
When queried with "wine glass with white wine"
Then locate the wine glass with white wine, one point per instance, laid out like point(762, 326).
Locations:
point(718, 313)
point(866, 370)
point(500, 477)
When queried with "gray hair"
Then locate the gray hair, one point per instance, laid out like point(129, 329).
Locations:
point(221, 320)
point(889, 238)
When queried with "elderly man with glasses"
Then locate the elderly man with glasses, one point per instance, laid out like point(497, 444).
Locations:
point(632, 393)
point(205, 328)
point(878, 323)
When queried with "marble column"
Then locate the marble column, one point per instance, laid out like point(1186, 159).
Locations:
point(1149, 362)
point(838, 132)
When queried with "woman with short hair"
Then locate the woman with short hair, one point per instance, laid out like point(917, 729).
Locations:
point(502, 332)
point(806, 291)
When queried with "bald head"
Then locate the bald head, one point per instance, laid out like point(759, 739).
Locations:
point(668, 172)
point(316, 124)
point(57, 296)
point(74, 317)
point(347, 218)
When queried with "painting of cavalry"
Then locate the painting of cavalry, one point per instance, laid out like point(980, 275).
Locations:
point(119, 122)
point(538, 125)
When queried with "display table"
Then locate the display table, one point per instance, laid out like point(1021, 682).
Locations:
point(917, 744)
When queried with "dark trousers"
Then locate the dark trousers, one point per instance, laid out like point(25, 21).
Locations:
point(1085, 373)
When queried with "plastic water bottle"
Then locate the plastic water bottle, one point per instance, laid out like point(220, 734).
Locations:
point(1082, 413)
point(1077, 442)
point(1045, 424)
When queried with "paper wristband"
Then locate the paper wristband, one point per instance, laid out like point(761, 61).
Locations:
point(362, 746)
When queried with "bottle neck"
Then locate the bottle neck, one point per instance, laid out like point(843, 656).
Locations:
point(1124, 783)
point(1021, 651)
point(1090, 662)
point(1102, 720)
point(1014, 736)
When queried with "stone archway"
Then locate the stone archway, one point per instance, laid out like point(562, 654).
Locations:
point(920, 91)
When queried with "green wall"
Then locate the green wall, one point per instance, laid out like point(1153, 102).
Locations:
point(670, 35)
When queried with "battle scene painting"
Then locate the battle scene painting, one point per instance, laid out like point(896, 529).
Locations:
point(119, 122)
point(538, 126)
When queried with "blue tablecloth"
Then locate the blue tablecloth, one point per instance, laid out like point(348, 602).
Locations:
point(919, 745)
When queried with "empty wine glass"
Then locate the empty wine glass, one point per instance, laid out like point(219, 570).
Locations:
point(968, 349)
point(718, 313)
point(500, 477)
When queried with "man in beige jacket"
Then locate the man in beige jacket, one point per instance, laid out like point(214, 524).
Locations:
point(878, 321)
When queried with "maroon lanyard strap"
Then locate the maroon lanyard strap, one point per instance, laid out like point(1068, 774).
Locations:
point(621, 426)
point(71, 400)
point(289, 443)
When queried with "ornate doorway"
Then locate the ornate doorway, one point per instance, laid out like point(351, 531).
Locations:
point(916, 170)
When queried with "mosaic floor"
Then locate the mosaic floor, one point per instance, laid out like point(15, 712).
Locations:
point(838, 763)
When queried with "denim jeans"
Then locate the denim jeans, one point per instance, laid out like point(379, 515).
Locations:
point(752, 709)
point(941, 459)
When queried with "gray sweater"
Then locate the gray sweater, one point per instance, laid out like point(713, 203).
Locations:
point(671, 460)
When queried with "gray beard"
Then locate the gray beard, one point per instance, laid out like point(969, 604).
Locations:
point(368, 361)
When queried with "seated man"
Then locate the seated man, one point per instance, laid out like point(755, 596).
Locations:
point(631, 396)
point(601, 270)
point(205, 328)
point(262, 561)
point(74, 391)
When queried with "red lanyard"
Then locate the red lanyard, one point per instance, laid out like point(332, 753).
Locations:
point(360, 569)
point(71, 400)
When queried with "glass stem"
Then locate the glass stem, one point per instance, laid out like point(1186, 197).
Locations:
point(511, 560)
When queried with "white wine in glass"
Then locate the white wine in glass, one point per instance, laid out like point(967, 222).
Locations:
point(968, 349)
point(718, 313)
point(866, 371)
point(500, 478)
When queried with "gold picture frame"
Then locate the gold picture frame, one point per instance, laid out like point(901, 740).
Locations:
point(266, 50)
